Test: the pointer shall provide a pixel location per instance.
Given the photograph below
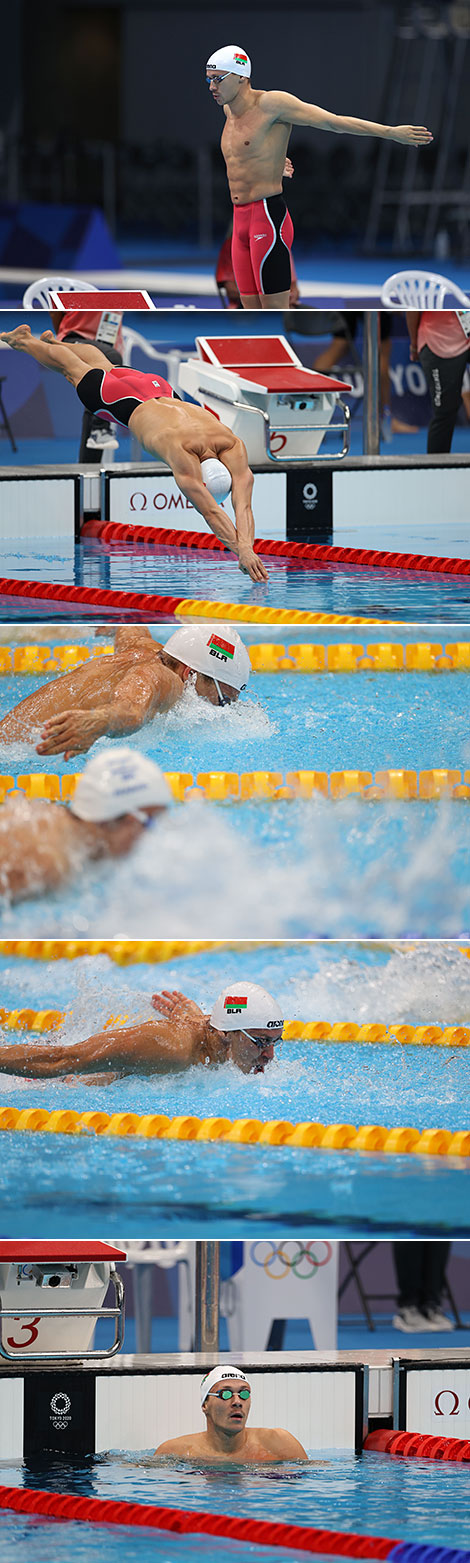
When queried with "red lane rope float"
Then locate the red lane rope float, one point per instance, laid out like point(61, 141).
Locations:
point(104, 1511)
point(89, 594)
point(128, 532)
point(421, 1446)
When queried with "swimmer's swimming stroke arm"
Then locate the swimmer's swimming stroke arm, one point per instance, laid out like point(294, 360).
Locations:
point(150, 1047)
point(186, 469)
point(138, 698)
point(284, 107)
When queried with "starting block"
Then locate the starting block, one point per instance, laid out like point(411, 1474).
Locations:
point(51, 1296)
point(259, 388)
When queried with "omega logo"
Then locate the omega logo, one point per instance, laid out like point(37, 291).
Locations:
point(451, 1409)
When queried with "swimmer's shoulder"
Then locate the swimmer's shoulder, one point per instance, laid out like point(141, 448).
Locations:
point(282, 1444)
point(183, 1447)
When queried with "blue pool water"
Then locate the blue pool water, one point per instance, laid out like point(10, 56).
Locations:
point(167, 1188)
point(290, 721)
point(385, 594)
point(373, 1495)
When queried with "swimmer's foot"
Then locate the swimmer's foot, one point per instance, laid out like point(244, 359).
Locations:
point(19, 337)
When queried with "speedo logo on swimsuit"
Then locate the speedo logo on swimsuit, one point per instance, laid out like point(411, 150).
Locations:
point(234, 1006)
point(221, 648)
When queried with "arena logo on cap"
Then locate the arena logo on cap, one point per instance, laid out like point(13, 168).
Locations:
point(234, 1005)
point(221, 648)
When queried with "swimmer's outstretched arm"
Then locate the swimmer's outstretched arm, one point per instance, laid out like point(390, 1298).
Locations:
point(235, 458)
point(136, 701)
point(148, 1048)
point(290, 110)
point(186, 470)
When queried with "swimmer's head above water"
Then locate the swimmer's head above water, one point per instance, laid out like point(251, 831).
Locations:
point(119, 783)
point(251, 1022)
point(226, 1397)
point(223, 72)
point(217, 657)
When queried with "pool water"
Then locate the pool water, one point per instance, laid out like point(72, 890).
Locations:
point(292, 721)
point(375, 1495)
point(385, 594)
point(71, 1185)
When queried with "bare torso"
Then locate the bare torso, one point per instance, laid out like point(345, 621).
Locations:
point(94, 682)
point(162, 426)
point(254, 147)
point(41, 845)
point(257, 1446)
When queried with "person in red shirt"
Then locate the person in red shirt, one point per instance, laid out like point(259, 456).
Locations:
point(440, 339)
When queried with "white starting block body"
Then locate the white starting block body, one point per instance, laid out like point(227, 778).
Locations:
point(51, 1295)
point(292, 1279)
point(258, 387)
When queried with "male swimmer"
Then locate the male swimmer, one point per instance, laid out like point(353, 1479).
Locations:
point(254, 144)
point(225, 1403)
point(114, 695)
point(44, 845)
point(244, 1026)
point(206, 459)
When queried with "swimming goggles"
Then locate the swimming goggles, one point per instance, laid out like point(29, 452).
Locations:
point(260, 1041)
point(224, 700)
point(216, 79)
point(228, 1394)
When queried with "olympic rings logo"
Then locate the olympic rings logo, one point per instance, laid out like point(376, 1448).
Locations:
point(293, 1257)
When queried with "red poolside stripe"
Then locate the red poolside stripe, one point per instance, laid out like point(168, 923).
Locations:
point(104, 1511)
point(127, 532)
point(423, 1446)
point(89, 594)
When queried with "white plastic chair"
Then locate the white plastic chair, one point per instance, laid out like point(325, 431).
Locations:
point(38, 295)
point(420, 290)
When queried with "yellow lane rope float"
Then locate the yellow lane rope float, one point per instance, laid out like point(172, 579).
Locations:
point(127, 952)
point(241, 1131)
point(294, 1030)
point(273, 786)
point(344, 657)
point(196, 608)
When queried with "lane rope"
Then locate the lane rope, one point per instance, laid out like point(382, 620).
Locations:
point(127, 952)
point(171, 607)
point(309, 553)
point(419, 1446)
point(241, 1131)
point(313, 657)
point(271, 786)
point(105, 1511)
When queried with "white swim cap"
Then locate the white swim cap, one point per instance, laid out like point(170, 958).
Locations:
point(217, 478)
point(119, 782)
point(231, 59)
point(244, 1004)
point(223, 1370)
point(217, 651)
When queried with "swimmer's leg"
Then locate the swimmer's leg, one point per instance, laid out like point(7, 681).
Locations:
point(47, 351)
point(275, 300)
point(251, 301)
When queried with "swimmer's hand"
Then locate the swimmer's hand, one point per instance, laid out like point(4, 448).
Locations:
point(410, 135)
point(72, 732)
point(288, 169)
point(176, 1006)
point(250, 564)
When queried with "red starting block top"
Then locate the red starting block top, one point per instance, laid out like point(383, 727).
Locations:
point(111, 300)
point(280, 379)
point(19, 1251)
point(268, 361)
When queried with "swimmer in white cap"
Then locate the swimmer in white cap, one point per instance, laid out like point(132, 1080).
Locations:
point(44, 845)
point(243, 1027)
point(114, 695)
point(208, 462)
point(225, 1403)
point(255, 138)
